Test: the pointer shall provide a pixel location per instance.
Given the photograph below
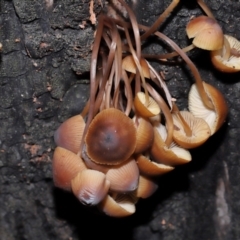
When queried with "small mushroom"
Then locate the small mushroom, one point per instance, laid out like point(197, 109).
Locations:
point(144, 135)
point(146, 107)
point(90, 187)
point(172, 155)
point(111, 137)
point(198, 133)
point(123, 178)
point(118, 205)
point(151, 168)
point(130, 66)
point(66, 165)
point(206, 32)
point(214, 117)
point(69, 134)
point(146, 187)
point(227, 59)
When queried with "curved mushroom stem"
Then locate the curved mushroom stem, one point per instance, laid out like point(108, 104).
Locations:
point(139, 67)
point(134, 27)
point(93, 71)
point(136, 55)
point(186, 128)
point(157, 79)
point(128, 92)
point(160, 19)
point(205, 8)
point(166, 112)
point(85, 109)
point(208, 103)
point(109, 64)
point(168, 55)
point(108, 88)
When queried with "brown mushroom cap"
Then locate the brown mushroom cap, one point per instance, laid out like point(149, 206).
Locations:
point(124, 177)
point(66, 165)
point(232, 64)
point(90, 187)
point(111, 137)
point(146, 107)
point(146, 187)
point(206, 32)
point(144, 135)
point(200, 130)
point(214, 118)
point(151, 168)
point(118, 205)
point(69, 134)
point(172, 156)
point(129, 65)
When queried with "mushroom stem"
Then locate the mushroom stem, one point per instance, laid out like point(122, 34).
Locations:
point(108, 101)
point(157, 79)
point(160, 19)
point(85, 109)
point(136, 55)
point(109, 64)
point(205, 8)
point(186, 128)
point(118, 71)
point(93, 71)
point(139, 71)
point(207, 102)
point(166, 112)
point(168, 55)
point(191, 65)
point(128, 92)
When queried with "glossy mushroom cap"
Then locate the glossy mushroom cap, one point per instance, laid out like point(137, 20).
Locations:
point(151, 168)
point(232, 64)
point(124, 177)
point(90, 187)
point(214, 118)
point(129, 65)
point(206, 32)
point(146, 107)
point(172, 155)
point(118, 205)
point(111, 137)
point(144, 135)
point(69, 134)
point(66, 165)
point(146, 187)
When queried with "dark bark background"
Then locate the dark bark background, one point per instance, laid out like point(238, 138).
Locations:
point(44, 68)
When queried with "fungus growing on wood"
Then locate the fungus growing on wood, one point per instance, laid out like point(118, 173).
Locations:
point(126, 142)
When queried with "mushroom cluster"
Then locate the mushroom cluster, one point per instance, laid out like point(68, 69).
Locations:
point(131, 130)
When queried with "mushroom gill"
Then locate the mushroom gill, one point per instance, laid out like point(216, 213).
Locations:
point(199, 130)
point(214, 118)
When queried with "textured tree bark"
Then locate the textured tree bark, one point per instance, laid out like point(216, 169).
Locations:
point(44, 71)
